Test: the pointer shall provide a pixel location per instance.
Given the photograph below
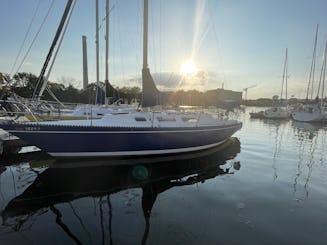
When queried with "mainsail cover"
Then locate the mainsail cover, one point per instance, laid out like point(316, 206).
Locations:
point(151, 96)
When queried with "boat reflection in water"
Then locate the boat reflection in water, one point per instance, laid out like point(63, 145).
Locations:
point(60, 185)
point(311, 145)
point(309, 130)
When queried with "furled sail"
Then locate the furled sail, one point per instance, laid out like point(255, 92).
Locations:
point(150, 93)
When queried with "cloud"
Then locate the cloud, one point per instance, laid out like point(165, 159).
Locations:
point(170, 81)
point(173, 81)
point(27, 63)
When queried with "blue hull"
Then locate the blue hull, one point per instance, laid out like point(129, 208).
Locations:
point(84, 141)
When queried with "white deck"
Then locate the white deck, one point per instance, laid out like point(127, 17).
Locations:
point(147, 119)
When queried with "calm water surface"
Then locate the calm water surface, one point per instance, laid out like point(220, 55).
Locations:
point(267, 185)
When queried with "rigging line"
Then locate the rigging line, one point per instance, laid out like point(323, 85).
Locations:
point(106, 16)
point(213, 23)
point(36, 35)
point(57, 50)
point(153, 41)
point(25, 37)
point(202, 38)
point(200, 33)
point(120, 50)
point(54, 96)
point(138, 43)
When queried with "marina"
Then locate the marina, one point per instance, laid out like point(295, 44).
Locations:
point(266, 185)
point(177, 132)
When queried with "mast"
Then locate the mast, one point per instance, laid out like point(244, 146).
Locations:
point(323, 76)
point(313, 65)
point(145, 34)
point(97, 47)
point(85, 68)
point(286, 66)
point(54, 42)
point(107, 51)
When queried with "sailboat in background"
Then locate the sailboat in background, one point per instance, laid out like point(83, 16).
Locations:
point(280, 109)
point(136, 133)
point(315, 111)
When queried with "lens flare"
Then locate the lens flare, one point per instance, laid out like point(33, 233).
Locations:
point(188, 68)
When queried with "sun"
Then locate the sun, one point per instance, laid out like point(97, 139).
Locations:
point(188, 68)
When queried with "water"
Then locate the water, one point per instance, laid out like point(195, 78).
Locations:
point(267, 185)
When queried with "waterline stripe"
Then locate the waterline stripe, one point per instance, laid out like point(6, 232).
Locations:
point(119, 132)
point(133, 153)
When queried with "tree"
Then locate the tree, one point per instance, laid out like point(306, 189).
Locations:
point(25, 90)
point(129, 93)
point(275, 97)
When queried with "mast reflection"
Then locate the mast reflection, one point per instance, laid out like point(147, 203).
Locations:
point(311, 143)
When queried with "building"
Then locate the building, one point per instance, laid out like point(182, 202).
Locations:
point(223, 98)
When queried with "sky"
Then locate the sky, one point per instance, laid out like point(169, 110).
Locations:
point(233, 44)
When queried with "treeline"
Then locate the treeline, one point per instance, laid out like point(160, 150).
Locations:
point(265, 102)
point(24, 84)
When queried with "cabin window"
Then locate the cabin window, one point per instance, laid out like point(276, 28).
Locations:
point(140, 119)
point(99, 114)
point(166, 119)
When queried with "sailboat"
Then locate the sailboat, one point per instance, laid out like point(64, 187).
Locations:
point(316, 110)
point(122, 134)
point(280, 110)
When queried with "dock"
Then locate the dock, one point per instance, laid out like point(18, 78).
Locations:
point(10, 144)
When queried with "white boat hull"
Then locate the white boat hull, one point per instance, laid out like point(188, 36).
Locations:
point(277, 113)
point(315, 116)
